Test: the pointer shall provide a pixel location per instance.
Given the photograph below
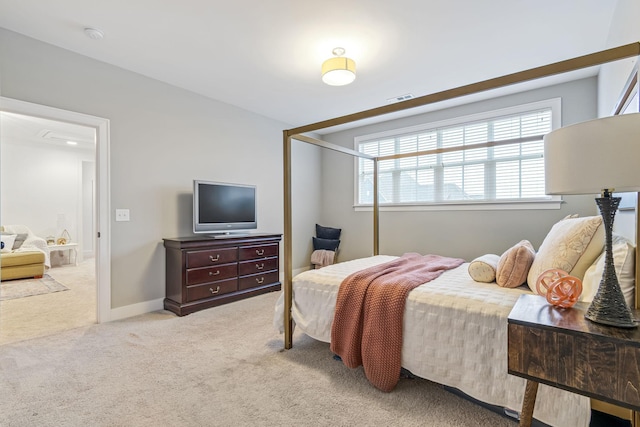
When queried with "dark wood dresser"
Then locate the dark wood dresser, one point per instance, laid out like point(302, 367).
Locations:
point(205, 271)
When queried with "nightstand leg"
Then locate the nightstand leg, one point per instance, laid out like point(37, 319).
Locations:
point(529, 401)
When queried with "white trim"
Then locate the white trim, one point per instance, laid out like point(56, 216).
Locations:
point(554, 103)
point(103, 199)
point(136, 309)
point(554, 203)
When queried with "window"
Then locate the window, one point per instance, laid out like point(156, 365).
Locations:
point(512, 173)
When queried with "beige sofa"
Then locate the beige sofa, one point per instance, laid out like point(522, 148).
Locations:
point(21, 265)
point(30, 259)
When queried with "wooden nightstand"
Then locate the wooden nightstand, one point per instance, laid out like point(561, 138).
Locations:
point(560, 348)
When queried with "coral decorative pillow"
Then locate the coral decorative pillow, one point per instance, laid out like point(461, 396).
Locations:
point(483, 269)
point(572, 245)
point(514, 265)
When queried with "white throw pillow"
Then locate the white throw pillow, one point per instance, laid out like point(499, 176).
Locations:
point(572, 245)
point(7, 242)
point(624, 254)
point(483, 269)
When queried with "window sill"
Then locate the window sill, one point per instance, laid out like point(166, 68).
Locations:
point(466, 206)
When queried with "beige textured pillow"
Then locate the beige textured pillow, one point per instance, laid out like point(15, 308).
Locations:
point(572, 245)
point(624, 255)
point(483, 269)
point(514, 265)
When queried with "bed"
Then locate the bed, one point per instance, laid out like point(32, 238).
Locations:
point(454, 327)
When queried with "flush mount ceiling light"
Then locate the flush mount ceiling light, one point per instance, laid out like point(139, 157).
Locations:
point(94, 33)
point(339, 70)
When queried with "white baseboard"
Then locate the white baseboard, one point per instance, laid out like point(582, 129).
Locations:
point(158, 304)
point(136, 309)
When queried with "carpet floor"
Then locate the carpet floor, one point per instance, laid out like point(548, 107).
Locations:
point(223, 366)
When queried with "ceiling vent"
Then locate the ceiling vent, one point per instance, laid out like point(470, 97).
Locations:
point(53, 136)
point(94, 33)
point(399, 98)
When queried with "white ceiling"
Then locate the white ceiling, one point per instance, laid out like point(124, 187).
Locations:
point(265, 55)
point(28, 130)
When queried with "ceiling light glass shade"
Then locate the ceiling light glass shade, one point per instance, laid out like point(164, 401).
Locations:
point(338, 71)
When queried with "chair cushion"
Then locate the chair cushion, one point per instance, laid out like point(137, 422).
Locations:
point(21, 258)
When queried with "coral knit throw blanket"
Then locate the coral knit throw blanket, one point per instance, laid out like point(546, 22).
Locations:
point(367, 324)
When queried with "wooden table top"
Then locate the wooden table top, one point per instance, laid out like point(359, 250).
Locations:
point(534, 310)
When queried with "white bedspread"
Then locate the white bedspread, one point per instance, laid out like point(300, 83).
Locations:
point(455, 334)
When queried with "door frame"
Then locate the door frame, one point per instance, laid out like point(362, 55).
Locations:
point(103, 198)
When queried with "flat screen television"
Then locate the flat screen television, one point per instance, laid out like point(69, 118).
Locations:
point(220, 207)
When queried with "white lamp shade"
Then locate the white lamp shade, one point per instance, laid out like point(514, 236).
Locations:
point(338, 71)
point(589, 157)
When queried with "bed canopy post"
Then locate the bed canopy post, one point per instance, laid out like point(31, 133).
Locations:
point(288, 267)
point(376, 210)
point(637, 260)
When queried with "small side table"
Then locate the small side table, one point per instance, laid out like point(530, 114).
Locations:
point(66, 247)
point(562, 349)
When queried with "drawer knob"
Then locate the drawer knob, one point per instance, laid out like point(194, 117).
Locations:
point(260, 266)
point(259, 251)
point(260, 280)
point(211, 273)
point(216, 291)
point(214, 259)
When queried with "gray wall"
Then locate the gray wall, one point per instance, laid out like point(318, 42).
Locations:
point(611, 80)
point(162, 137)
point(625, 28)
point(465, 234)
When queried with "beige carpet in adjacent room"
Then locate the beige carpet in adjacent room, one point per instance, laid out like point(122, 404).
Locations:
point(50, 313)
point(219, 367)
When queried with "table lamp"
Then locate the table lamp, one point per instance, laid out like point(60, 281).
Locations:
point(598, 156)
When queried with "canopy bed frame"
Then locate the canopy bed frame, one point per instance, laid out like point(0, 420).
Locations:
point(300, 134)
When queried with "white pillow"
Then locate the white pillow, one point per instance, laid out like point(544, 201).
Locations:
point(624, 254)
point(572, 245)
point(483, 269)
point(7, 242)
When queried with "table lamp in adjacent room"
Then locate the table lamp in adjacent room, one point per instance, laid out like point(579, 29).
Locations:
point(598, 156)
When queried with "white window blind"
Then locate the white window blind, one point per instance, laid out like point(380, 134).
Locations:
point(506, 173)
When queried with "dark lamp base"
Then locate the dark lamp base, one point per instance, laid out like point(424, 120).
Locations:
point(609, 306)
point(604, 320)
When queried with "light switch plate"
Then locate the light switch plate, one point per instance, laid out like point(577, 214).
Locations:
point(122, 214)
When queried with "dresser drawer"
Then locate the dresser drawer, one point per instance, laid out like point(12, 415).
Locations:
point(257, 266)
point(261, 251)
point(207, 290)
point(211, 257)
point(210, 274)
point(258, 280)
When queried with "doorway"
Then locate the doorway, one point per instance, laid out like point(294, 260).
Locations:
point(89, 218)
